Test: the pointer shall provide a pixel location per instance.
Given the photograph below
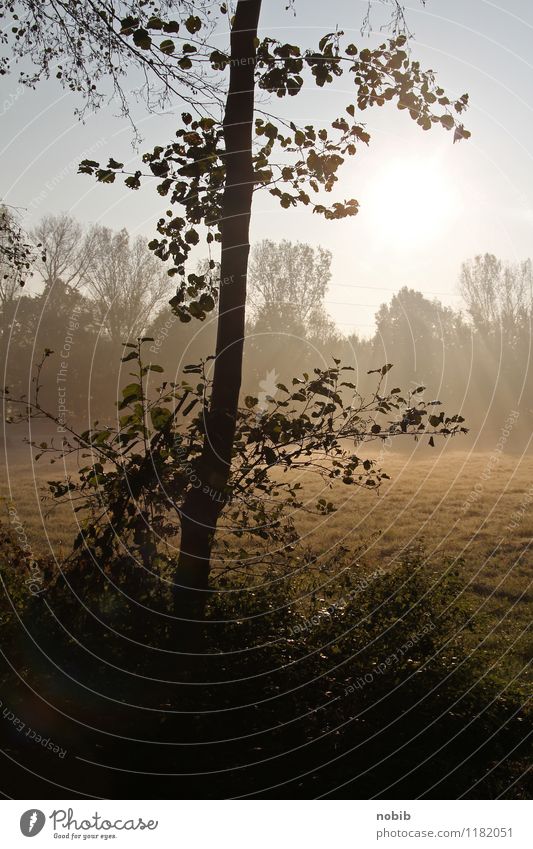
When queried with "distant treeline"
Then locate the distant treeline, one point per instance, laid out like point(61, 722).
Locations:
point(101, 289)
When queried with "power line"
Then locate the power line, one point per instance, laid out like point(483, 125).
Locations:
point(337, 304)
point(389, 289)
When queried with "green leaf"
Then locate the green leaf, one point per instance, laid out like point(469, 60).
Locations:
point(127, 25)
point(171, 27)
point(133, 181)
point(87, 166)
point(160, 417)
point(104, 175)
point(142, 39)
point(132, 392)
point(207, 303)
point(102, 436)
point(193, 23)
point(167, 47)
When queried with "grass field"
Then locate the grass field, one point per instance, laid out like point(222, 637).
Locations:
point(472, 512)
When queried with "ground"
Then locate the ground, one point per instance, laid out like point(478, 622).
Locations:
point(470, 511)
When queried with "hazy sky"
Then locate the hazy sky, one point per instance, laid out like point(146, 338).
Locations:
point(426, 204)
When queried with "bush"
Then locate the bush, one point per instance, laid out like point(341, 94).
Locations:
point(340, 679)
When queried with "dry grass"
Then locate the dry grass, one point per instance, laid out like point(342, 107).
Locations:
point(23, 486)
point(432, 499)
point(470, 512)
point(423, 503)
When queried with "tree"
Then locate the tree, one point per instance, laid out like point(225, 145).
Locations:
point(62, 320)
point(287, 286)
point(214, 163)
point(499, 300)
point(427, 340)
point(67, 250)
point(287, 323)
point(88, 46)
point(17, 255)
point(412, 320)
point(126, 283)
point(150, 458)
point(10, 282)
point(498, 296)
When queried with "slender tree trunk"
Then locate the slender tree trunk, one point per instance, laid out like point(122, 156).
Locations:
point(203, 505)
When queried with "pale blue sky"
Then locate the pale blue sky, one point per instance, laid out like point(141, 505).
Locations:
point(426, 204)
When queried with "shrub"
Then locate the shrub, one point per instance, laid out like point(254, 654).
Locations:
point(335, 679)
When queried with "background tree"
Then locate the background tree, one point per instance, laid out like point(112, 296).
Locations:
point(287, 285)
point(10, 278)
point(68, 251)
point(414, 320)
point(288, 325)
point(419, 334)
point(498, 295)
point(17, 253)
point(125, 282)
point(499, 300)
point(61, 320)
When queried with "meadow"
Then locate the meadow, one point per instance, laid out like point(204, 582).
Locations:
point(467, 517)
point(467, 512)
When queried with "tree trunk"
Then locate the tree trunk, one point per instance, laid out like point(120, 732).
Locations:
point(203, 505)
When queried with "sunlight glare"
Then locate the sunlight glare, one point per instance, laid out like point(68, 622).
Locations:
point(411, 199)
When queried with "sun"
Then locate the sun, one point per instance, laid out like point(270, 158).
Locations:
point(410, 199)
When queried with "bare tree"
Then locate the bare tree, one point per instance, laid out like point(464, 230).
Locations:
point(67, 251)
point(126, 282)
point(288, 282)
point(497, 294)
